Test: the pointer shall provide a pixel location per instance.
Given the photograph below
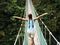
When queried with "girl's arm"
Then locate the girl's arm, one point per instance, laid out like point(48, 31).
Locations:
point(19, 18)
point(40, 16)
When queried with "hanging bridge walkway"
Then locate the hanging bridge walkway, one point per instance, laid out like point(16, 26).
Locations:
point(40, 27)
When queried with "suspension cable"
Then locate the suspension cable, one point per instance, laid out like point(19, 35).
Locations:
point(17, 36)
point(50, 32)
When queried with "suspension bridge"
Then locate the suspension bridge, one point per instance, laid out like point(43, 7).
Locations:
point(40, 27)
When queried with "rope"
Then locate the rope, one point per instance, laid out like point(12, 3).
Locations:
point(17, 37)
point(50, 32)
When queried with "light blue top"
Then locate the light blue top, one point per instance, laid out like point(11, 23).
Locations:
point(30, 24)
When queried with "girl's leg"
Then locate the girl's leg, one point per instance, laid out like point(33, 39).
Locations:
point(31, 39)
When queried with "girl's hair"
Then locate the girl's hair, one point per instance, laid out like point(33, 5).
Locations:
point(30, 16)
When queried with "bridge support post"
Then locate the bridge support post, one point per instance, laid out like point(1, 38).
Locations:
point(45, 32)
point(49, 39)
point(19, 40)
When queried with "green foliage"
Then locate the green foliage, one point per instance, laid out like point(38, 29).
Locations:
point(52, 20)
point(8, 8)
point(52, 7)
point(8, 27)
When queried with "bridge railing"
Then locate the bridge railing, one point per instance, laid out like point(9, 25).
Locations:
point(20, 36)
point(50, 38)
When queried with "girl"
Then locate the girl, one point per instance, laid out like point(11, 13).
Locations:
point(30, 30)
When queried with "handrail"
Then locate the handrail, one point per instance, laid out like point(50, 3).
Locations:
point(50, 32)
point(17, 36)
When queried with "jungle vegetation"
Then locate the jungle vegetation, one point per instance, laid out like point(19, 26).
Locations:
point(9, 27)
